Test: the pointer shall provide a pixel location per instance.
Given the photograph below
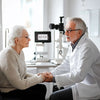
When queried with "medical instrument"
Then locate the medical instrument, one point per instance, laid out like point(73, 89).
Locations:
point(61, 50)
point(41, 38)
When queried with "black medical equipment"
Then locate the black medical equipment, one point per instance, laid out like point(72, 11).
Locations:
point(59, 26)
point(42, 36)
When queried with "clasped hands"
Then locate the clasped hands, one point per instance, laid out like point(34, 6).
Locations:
point(48, 77)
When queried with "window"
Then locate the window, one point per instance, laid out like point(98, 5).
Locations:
point(32, 12)
point(23, 12)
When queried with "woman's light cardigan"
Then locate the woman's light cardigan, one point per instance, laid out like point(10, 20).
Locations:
point(13, 73)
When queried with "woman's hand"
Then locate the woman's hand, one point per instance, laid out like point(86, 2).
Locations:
point(48, 77)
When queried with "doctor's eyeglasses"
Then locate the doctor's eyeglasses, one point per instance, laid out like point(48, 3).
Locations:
point(70, 30)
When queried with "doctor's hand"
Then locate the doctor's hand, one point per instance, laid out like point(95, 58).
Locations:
point(48, 76)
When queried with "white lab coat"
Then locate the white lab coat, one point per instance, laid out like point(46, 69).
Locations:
point(81, 71)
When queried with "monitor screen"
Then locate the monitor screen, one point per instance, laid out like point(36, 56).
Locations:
point(42, 36)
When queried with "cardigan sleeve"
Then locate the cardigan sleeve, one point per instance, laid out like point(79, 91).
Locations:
point(11, 72)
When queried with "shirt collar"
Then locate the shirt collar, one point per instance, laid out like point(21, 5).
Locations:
point(74, 45)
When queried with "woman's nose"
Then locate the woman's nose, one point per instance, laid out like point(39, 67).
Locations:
point(29, 39)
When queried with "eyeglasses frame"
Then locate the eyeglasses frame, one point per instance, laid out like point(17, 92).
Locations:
point(70, 30)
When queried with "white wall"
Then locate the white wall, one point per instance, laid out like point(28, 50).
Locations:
point(75, 8)
point(71, 8)
point(68, 8)
point(55, 10)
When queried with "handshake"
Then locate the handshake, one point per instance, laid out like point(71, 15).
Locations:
point(47, 76)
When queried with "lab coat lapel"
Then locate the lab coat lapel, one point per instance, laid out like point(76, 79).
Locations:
point(73, 55)
point(81, 41)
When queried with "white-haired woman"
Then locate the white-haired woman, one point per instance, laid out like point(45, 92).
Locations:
point(15, 81)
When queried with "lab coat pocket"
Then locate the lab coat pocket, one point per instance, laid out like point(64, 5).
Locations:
point(88, 90)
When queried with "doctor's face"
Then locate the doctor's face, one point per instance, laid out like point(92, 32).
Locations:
point(72, 34)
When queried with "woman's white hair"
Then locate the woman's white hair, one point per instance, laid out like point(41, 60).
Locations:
point(80, 24)
point(16, 32)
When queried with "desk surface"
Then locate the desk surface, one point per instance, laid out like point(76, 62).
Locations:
point(41, 64)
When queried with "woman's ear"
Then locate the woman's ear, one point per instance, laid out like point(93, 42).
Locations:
point(16, 40)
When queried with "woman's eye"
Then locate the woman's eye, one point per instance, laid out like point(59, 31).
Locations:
point(27, 37)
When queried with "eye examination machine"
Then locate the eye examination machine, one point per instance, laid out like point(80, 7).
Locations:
point(41, 37)
point(60, 48)
point(44, 37)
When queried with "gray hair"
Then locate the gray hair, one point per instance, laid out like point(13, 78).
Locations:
point(16, 32)
point(80, 24)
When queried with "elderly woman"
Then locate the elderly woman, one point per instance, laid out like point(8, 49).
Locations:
point(15, 81)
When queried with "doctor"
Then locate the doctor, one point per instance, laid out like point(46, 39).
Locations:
point(80, 72)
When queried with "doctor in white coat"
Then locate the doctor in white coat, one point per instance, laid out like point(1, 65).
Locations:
point(80, 72)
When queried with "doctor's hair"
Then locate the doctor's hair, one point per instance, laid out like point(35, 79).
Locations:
point(15, 32)
point(80, 24)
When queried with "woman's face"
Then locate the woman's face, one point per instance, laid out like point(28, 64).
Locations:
point(23, 41)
